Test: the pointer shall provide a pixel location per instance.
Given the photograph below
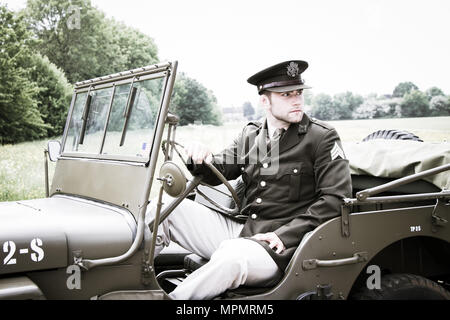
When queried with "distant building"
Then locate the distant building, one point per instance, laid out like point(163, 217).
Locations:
point(233, 114)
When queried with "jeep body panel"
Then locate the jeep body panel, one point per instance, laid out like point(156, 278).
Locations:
point(45, 233)
point(113, 182)
point(19, 288)
point(370, 233)
point(57, 284)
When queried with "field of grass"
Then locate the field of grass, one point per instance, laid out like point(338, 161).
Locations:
point(428, 129)
point(22, 171)
point(22, 165)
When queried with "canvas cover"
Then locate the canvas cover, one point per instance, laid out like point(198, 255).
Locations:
point(399, 158)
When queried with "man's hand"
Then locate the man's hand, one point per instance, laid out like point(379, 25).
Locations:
point(198, 152)
point(272, 239)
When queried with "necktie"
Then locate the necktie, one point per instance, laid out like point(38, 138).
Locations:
point(278, 133)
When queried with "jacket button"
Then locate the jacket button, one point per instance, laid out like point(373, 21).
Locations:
point(263, 184)
point(242, 169)
point(265, 165)
point(254, 216)
point(258, 201)
point(295, 171)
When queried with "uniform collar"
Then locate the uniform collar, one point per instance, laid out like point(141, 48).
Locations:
point(301, 127)
point(294, 134)
point(291, 138)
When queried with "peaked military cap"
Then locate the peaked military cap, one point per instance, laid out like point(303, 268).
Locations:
point(282, 77)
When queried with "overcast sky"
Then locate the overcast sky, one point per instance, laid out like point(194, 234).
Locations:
point(363, 46)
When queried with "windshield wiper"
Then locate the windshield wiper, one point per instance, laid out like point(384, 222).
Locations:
point(87, 108)
point(127, 113)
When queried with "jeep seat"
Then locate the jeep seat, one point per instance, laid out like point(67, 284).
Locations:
point(193, 262)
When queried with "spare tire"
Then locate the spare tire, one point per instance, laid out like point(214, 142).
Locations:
point(404, 287)
point(392, 135)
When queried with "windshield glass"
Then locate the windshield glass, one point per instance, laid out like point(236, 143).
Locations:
point(118, 120)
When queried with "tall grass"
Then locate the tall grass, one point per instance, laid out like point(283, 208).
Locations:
point(22, 171)
point(22, 165)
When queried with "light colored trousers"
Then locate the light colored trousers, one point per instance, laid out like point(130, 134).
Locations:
point(232, 262)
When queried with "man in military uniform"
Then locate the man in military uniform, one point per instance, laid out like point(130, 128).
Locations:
point(296, 182)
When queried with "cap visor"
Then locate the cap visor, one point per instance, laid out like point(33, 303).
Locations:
point(289, 88)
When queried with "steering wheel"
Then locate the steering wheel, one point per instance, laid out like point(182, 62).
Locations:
point(234, 212)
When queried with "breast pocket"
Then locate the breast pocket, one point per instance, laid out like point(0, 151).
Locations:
point(290, 175)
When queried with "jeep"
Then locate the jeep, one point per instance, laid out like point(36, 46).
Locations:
point(89, 239)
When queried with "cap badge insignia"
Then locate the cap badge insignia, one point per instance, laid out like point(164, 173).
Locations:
point(292, 69)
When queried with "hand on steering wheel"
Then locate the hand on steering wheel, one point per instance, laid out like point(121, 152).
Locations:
point(200, 154)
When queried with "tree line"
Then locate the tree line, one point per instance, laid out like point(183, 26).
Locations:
point(406, 100)
point(50, 45)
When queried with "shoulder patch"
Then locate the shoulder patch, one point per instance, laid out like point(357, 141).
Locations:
point(337, 152)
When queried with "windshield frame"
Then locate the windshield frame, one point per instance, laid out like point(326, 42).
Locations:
point(112, 81)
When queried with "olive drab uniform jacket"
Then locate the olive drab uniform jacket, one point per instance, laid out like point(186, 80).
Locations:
point(292, 188)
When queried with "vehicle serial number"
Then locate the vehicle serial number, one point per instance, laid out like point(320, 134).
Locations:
point(36, 253)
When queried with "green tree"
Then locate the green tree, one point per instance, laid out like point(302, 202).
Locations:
point(322, 106)
point(434, 92)
point(440, 106)
point(135, 49)
point(192, 102)
point(340, 106)
point(76, 40)
point(415, 104)
point(20, 119)
point(54, 93)
point(377, 107)
point(79, 39)
point(404, 88)
point(216, 115)
point(344, 104)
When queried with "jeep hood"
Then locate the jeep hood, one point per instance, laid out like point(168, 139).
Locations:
point(44, 233)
